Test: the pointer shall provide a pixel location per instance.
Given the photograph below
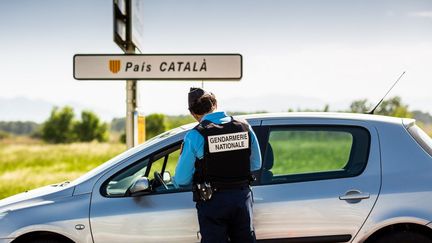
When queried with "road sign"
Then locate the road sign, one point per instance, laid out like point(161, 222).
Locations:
point(122, 23)
point(137, 19)
point(158, 67)
point(128, 23)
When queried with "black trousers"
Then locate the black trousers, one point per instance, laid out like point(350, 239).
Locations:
point(227, 217)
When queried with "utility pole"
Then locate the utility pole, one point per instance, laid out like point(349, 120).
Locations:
point(131, 85)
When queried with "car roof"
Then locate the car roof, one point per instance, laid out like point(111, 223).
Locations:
point(324, 115)
point(318, 115)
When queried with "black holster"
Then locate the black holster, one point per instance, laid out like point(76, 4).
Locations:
point(202, 192)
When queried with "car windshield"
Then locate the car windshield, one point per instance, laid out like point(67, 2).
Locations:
point(422, 138)
point(129, 153)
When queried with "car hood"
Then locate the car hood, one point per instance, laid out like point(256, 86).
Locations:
point(36, 196)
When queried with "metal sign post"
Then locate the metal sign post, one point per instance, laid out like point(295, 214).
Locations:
point(123, 37)
point(131, 107)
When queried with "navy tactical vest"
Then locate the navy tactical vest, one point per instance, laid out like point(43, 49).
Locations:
point(227, 149)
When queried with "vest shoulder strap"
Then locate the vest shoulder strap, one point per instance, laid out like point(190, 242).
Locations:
point(241, 121)
point(201, 126)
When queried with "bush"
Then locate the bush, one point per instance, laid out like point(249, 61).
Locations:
point(59, 126)
point(90, 128)
point(155, 125)
point(62, 128)
point(4, 134)
point(123, 138)
point(389, 107)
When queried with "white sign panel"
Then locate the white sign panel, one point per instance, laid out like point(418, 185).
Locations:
point(228, 142)
point(158, 67)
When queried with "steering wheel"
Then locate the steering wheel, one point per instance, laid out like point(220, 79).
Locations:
point(159, 178)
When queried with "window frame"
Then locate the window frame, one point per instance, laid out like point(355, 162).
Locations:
point(159, 155)
point(324, 175)
point(153, 157)
point(418, 135)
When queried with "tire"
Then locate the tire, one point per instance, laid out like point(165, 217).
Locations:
point(404, 237)
point(44, 240)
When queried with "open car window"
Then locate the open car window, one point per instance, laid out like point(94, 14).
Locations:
point(164, 163)
point(120, 183)
point(128, 153)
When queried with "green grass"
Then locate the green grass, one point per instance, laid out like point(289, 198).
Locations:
point(297, 155)
point(28, 166)
point(309, 157)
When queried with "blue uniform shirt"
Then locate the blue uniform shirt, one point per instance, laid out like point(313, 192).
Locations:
point(193, 147)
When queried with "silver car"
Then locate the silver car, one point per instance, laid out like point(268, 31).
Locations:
point(326, 177)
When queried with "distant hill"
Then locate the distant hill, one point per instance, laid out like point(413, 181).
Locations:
point(24, 109)
point(424, 117)
point(37, 110)
point(276, 103)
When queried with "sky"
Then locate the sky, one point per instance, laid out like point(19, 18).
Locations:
point(296, 53)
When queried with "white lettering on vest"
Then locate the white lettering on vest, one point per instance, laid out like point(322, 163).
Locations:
point(228, 142)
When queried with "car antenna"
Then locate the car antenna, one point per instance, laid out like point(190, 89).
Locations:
point(379, 103)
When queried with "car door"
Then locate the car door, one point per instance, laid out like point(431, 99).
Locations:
point(164, 215)
point(319, 181)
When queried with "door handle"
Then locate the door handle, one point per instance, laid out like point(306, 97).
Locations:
point(355, 195)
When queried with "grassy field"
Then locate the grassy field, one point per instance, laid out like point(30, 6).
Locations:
point(307, 152)
point(30, 164)
point(427, 129)
point(310, 156)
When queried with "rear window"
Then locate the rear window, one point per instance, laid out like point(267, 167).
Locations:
point(305, 153)
point(422, 138)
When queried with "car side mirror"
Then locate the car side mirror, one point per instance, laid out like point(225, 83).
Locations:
point(140, 187)
point(166, 177)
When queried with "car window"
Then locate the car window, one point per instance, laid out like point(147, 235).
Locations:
point(130, 152)
point(311, 153)
point(170, 158)
point(119, 184)
point(163, 162)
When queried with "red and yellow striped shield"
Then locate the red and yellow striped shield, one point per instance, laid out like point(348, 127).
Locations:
point(114, 66)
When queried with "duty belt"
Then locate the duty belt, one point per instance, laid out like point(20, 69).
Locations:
point(221, 186)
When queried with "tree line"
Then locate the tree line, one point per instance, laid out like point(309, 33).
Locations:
point(62, 126)
point(17, 128)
